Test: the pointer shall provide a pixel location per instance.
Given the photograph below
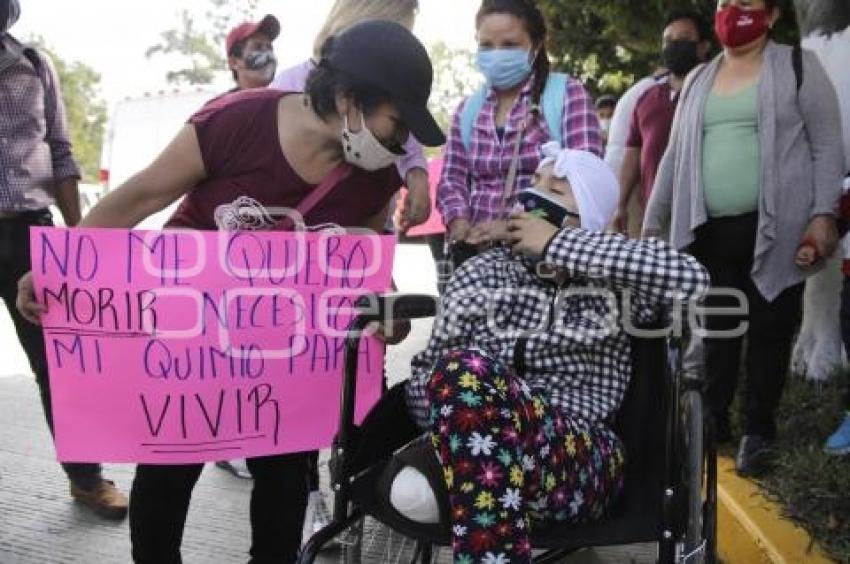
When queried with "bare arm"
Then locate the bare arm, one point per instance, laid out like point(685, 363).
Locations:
point(417, 205)
point(629, 177)
point(178, 169)
point(174, 172)
point(68, 200)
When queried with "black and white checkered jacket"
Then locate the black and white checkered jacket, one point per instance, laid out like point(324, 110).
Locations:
point(569, 341)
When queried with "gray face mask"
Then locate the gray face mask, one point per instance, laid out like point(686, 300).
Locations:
point(10, 11)
point(262, 61)
point(259, 60)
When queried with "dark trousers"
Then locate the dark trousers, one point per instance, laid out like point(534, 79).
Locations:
point(845, 329)
point(14, 263)
point(160, 499)
point(725, 247)
point(313, 480)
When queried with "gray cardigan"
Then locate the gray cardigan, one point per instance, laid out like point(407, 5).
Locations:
point(802, 164)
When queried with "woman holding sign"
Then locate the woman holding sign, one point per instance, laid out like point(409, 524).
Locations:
point(334, 147)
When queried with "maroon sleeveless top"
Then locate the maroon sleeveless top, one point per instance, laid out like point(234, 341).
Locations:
point(248, 173)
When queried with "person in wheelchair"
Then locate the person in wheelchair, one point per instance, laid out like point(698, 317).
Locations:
point(529, 361)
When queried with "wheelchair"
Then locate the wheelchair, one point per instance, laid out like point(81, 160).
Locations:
point(669, 496)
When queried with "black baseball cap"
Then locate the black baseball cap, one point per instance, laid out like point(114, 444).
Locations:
point(387, 56)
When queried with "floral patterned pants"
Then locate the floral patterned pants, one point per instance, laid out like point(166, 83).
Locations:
point(511, 460)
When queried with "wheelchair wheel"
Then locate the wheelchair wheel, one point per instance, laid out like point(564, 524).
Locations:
point(693, 476)
point(371, 542)
point(351, 544)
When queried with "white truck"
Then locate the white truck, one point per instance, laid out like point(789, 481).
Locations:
point(138, 130)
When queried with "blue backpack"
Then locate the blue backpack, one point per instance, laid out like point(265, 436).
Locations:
point(552, 105)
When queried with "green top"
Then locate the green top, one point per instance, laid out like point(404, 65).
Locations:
point(731, 161)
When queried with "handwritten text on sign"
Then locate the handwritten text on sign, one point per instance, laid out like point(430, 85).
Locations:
point(189, 346)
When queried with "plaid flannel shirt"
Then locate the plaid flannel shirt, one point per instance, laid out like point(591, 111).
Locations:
point(566, 341)
point(472, 184)
point(35, 151)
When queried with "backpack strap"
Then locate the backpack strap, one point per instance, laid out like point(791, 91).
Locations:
point(552, 104)
point(469, 115)
point(797, 64)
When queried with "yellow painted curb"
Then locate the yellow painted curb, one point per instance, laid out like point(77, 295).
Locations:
point(751, 529)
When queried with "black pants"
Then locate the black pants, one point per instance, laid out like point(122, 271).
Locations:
point(313, 479)
point(725, 247)
point(160, 499)
point(845, 329)
point(14, 263)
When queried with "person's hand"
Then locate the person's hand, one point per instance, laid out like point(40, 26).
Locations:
point(391, 333)
point(417, 204)
point(459, 230)
point(807, 255)
point(529, 235)
point(621, 220)
point(25, 302)
point(488, 232)
point(819, 241)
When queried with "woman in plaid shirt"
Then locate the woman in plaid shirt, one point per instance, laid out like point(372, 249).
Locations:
point(527, 365)
point(472, 193)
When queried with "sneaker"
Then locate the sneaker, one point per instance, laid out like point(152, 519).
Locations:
point(104, 499)
point(754, 456)
point(238, 467)
point(838, 443)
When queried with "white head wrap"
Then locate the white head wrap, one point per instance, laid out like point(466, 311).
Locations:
point(594, 185)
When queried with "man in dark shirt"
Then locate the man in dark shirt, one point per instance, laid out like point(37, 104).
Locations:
point(37, 169)
point(685, 45)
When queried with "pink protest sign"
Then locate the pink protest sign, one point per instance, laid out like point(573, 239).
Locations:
point(189, 346)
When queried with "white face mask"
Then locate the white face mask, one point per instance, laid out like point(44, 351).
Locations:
point(363, 150)
point(605, 125)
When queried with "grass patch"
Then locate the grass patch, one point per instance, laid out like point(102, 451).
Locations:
point(813, 487)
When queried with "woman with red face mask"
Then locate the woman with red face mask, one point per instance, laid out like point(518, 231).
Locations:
point(749, 185)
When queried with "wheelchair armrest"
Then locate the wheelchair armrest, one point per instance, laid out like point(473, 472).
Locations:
point(381, 307)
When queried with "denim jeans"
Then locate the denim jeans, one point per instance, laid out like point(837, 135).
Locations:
point(14, 263)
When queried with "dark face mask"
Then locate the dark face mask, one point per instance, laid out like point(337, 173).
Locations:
point(681, 57)
point(10, 11)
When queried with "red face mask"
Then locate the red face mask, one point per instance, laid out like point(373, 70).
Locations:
point(735, 27)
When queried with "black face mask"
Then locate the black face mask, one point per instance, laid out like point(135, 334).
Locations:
point(681, 57)
point(10, 11)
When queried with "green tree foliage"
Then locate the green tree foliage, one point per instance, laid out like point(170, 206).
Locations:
point(455, 77)
point(85, 110)
point(198, 43)
point(611, 43)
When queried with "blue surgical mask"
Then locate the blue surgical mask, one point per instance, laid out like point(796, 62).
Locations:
point(504, 68)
